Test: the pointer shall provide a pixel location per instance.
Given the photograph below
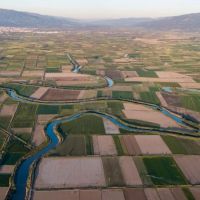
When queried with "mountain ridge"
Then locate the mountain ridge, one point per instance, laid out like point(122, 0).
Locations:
point(12, 18)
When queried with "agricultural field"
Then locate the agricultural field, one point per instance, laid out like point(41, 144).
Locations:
point(115, 142)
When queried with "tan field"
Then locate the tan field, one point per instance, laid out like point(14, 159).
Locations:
point(37, 73)
point(148, 40)
point(151, 194)
point(81, 95)
point(57, 194)
point(129, 171)
point(165, 194)
point(195, 192)
point(3, 97)
point(22, 130)
point(178, 193)
point(161, 99)
point(39, 92)
point(190, 85)
point(120, 88)
point(104, 145)
point(39, 135)
point(143, 113)
point(69, 75)
point(7, 169)
point(43, 119)
point(74, 82)
point(160, 80)
point(135, 106)
point(61, 172)
point(3, 192)
point(110, 128)
point(66, 68)
point(82, 61)
point(112, 194)
point(138, 194)
point(168, 74)
point(100, 72)
point(9, 73)
point(8, 110)
point(129, 74)
point(90, 94)
point(190, 167)
point(130, 145)
point(90, 195)
point(152, 144)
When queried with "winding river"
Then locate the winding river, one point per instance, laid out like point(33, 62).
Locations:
point(21, 175)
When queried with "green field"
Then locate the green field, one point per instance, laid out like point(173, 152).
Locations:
point(180, 145)
point(122, 95)
point(115, 107)
point(24, 90)
point(73, 145)
point(3, 137)
point(191, 102)
point(5, 121)
point(120, 150)
point(149, 97)
point(24, 116)
point(87, 125)
point(163, 171)
point(146, 73)
point(46, 109)
point(4, 180)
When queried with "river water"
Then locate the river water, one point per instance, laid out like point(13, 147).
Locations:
point(22, 172)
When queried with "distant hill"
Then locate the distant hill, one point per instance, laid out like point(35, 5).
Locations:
point(189, 22)
point(11, 18)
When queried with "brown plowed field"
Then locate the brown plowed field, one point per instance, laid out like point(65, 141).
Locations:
point(128, 74)
point(8, 110)
point(39, 92)
point(190, 167)
point(151, 194)
point(60, 95)
point(134, 194)
point(165, 194)
point(39, 135)
point(131, 145)
point(56, 195)
point(113, 194)
point(195, 192)
point(178, 193)
point(7, 169)
point(90, 195)
point(3, 192)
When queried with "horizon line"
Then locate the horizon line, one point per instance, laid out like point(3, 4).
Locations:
point(99, 18)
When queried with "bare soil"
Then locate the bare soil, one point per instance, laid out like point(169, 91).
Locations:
point(77, 172)
point(129, 171)
point(152, 144)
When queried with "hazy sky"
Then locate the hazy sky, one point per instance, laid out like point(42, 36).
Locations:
point(105, 8)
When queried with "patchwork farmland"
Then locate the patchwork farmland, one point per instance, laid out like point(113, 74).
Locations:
point(125, 126)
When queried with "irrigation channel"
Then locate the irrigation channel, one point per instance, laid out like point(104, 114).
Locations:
point(23, 169)
point(22, 172)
